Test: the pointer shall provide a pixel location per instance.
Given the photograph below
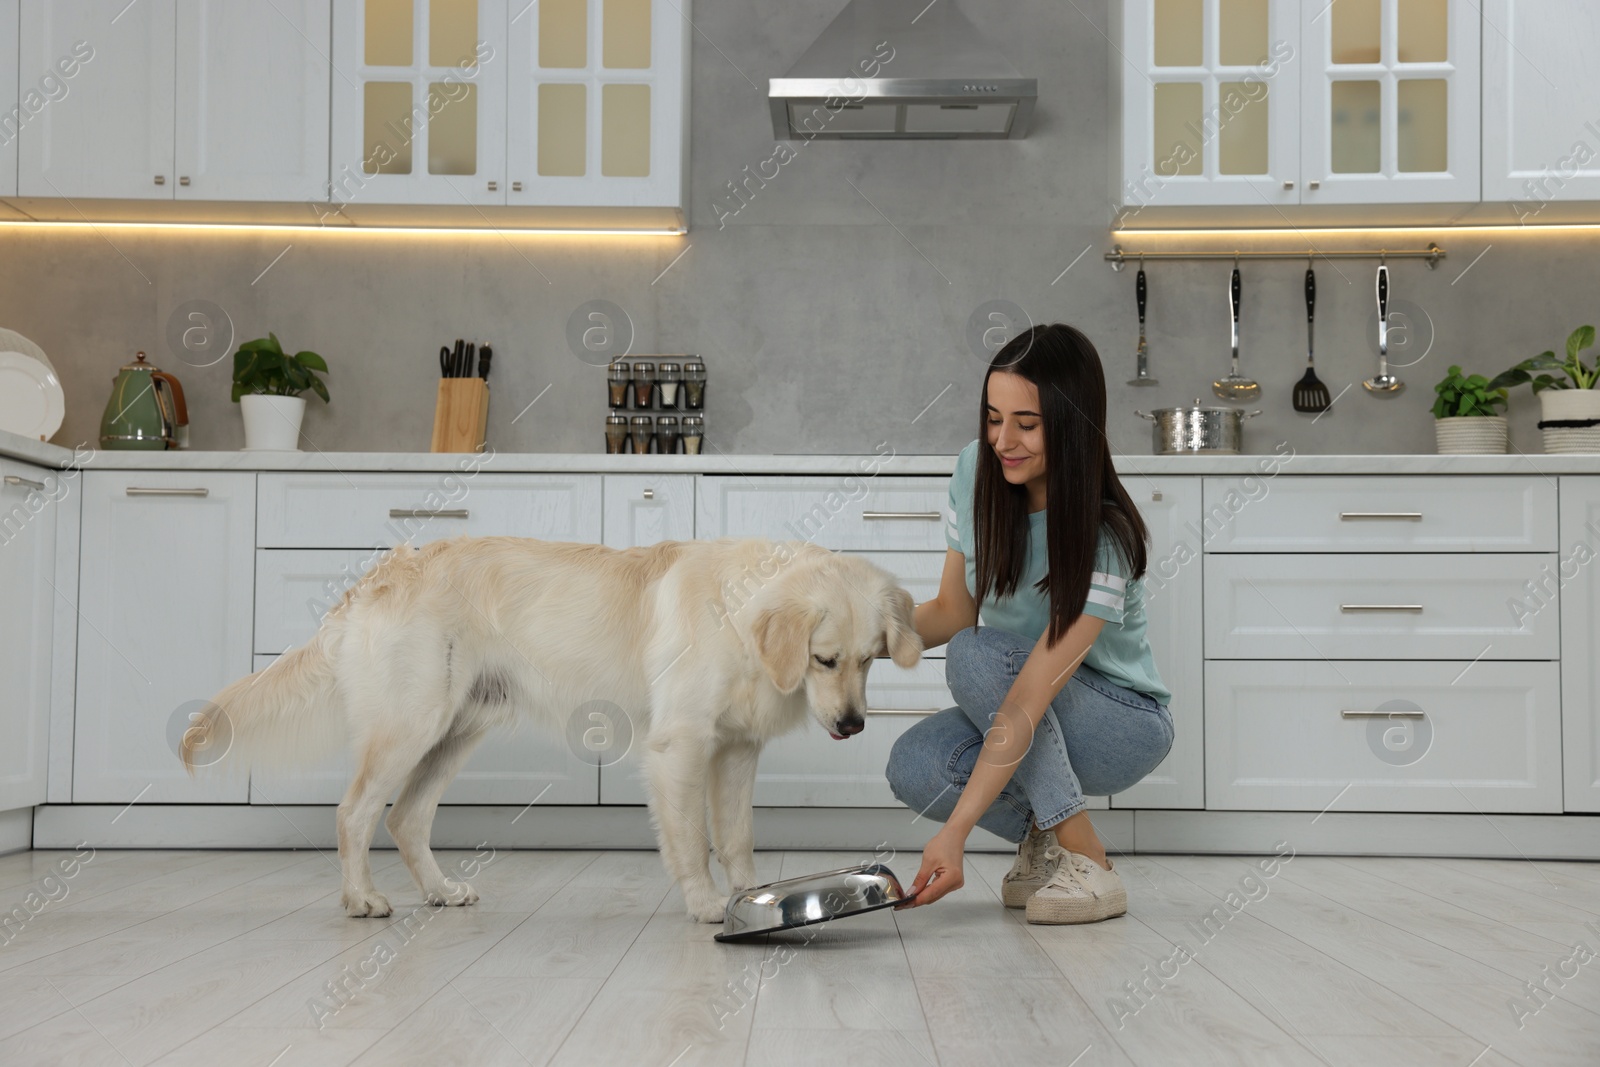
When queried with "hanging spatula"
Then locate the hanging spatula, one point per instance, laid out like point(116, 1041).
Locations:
point(1310, 395)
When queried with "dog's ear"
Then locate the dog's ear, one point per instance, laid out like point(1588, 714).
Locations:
point(905, 645)
point(782, 635)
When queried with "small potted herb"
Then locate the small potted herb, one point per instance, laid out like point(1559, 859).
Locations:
point(1465, 417)
point(1569, 404)
point(267, 383)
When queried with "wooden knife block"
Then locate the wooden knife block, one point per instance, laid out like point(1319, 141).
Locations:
point(461, 416)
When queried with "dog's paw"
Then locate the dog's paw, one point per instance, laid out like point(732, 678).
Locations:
point(706, 906)
point(451, 895)
point(366, 903)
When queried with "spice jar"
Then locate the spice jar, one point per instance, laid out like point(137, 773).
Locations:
point(616, 433)
point(644, 384)
point(693, 434)
point(671, 375)
point(694, 384)
point(641, 434)
point(666, 433)
point(617, 377)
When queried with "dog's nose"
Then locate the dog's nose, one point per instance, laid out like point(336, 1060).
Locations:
point(851, 725)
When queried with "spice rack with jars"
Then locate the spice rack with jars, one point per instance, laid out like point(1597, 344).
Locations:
point(652, 392)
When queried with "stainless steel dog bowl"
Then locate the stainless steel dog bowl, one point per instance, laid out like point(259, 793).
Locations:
point(812, 898)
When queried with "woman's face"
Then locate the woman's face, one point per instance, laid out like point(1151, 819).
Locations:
point(1016, 432)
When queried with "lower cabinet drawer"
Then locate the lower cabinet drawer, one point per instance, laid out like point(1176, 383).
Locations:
point(1284, 735)
point(508, 767)
point(837, 511)
point(1380, 607)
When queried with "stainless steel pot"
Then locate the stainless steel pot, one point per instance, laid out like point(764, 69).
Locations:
point(1196, 429)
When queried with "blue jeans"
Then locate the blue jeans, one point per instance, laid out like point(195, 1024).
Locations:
point(1115, 737)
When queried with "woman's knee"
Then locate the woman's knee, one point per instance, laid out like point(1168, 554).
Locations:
point(919, 759)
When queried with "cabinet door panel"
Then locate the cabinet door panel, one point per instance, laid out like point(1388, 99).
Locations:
point(164, 624)
point(1580, 637)
point(252, 100)
point(1540, 102)
point(641, 509)
point(110, 134)
point(1390, 104)
point(11, 117)
point(1173, 626)
point(27, 622)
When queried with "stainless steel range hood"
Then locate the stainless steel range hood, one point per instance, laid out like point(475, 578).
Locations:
point(901, 69)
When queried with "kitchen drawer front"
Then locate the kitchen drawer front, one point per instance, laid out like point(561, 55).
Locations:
point(1365, 607)
point(509, 767)
point(367, 510)
point(839, 512)
point(918, 572)
point(1280, 736)
point(1382, 514)
point(295, 587)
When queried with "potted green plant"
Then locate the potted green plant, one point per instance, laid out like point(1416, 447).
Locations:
point(267, 383)
point(1465, 415)
point(1569, 403)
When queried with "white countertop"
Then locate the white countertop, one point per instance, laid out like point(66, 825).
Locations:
point(48, 455)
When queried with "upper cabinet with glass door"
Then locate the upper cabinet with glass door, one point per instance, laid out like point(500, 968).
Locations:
point(419, 102)
point(1210, 102)
point(1390, 102)
point(596, 109)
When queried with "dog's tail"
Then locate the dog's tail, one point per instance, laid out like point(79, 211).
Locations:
point(289, 712)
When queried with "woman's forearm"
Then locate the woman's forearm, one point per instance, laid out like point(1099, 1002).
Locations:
point(936, 623)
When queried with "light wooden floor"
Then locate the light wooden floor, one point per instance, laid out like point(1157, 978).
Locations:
point(215, 958)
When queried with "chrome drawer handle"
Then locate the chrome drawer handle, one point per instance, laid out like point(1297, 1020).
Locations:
point(424, 513)
point(931, 516)
point(1408, 516)
point(903, 711)
point(17, 479)
point(139, 490)
point(1415, 609)
point(1357, 713)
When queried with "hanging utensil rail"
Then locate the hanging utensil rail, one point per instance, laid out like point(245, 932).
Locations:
point(1433, 254)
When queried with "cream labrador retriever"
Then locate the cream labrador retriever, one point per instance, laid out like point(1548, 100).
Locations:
point(710, 647)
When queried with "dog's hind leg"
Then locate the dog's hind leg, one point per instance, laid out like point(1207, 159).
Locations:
point(733, 783)
point(677, 769)
point(410, 821)
point(386, 760)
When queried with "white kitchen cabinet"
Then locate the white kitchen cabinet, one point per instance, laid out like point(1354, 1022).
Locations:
point(419, 108)
point(1390, 102)
point(1210, 102)
point(1541, 103)
point(1577, 582)
point(252, 100)
point(166, 579)
point(29, 500)
point(596, 108)
point(839, 512)
point(110, 134)
point(1170, 508)
point(641, 509)
point(179, 99)
point(12, 117)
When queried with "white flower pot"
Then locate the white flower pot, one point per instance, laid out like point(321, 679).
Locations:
point(1470, 434)
point(272, 423)
point(1569, 405)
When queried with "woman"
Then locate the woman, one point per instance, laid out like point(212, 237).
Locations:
point(1058, 693)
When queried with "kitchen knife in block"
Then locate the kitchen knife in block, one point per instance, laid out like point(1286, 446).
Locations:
point(460, 415)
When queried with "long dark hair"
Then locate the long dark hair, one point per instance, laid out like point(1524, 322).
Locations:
point(1083, 490)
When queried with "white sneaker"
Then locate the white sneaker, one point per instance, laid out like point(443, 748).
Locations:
point(1079, 891)
point(1031, 869)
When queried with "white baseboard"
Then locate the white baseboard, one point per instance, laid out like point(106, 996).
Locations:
point(1566, 837)
point(16, 830)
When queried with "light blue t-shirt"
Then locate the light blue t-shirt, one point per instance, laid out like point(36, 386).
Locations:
point(1121, 652)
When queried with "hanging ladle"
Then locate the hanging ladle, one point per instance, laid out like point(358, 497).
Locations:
point(1235, 386)
point(1383, 382)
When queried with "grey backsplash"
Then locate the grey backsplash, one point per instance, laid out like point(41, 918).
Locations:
point(831, 318)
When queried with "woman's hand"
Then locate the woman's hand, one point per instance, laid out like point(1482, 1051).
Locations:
point(941, 868)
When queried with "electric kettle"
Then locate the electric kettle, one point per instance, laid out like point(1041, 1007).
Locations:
point(146, 410)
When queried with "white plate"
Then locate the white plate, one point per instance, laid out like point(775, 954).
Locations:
point(31, 401)
point(12, 341)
